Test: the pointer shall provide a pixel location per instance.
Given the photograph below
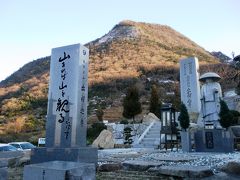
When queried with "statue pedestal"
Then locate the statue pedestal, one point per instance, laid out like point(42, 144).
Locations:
point(213, 140)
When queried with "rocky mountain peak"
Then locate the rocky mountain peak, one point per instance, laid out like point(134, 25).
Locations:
point(123, 30)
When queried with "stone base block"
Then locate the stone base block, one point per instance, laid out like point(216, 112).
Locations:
point(3, 173)
point(60, 170)
point(83, 155)
point(186, 141)
point(213, 140)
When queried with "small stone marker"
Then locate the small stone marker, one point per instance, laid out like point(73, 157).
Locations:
point(190, 88)
point(67, 108)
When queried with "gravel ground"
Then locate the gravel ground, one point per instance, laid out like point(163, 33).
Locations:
point(212, 160)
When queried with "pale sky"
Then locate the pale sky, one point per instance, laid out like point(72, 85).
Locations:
point(30, 29)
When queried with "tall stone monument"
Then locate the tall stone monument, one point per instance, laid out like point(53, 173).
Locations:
point(67, 108)
point(190, 88)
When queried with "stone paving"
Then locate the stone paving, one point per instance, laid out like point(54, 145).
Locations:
point(154, 164)
point(177, 163)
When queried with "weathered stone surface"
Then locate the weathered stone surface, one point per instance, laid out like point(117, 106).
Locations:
point(232, 167)
point(185, 171)
point(140, 165)
point(109, 167)
point(104, 140)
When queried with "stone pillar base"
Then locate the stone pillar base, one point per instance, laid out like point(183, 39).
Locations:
point(80, 154)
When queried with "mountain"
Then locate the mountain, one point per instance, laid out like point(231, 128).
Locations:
point(132, 53)
point(131, 46)
point(222, 57)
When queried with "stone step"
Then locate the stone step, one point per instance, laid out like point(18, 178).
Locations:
point(154, 131)
point(156, 128)
point(150, 143)
point(157, 134)
point(150, 139)
point(144, 146)
point(152, 136)
point(156, 125)
point(148, 146)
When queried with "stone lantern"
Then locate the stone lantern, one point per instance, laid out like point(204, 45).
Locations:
point(169, 132)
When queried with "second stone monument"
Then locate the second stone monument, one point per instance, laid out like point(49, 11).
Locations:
point(190, 88)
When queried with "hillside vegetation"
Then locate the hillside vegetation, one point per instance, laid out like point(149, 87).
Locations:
point(132, 53)
point(130, 47)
